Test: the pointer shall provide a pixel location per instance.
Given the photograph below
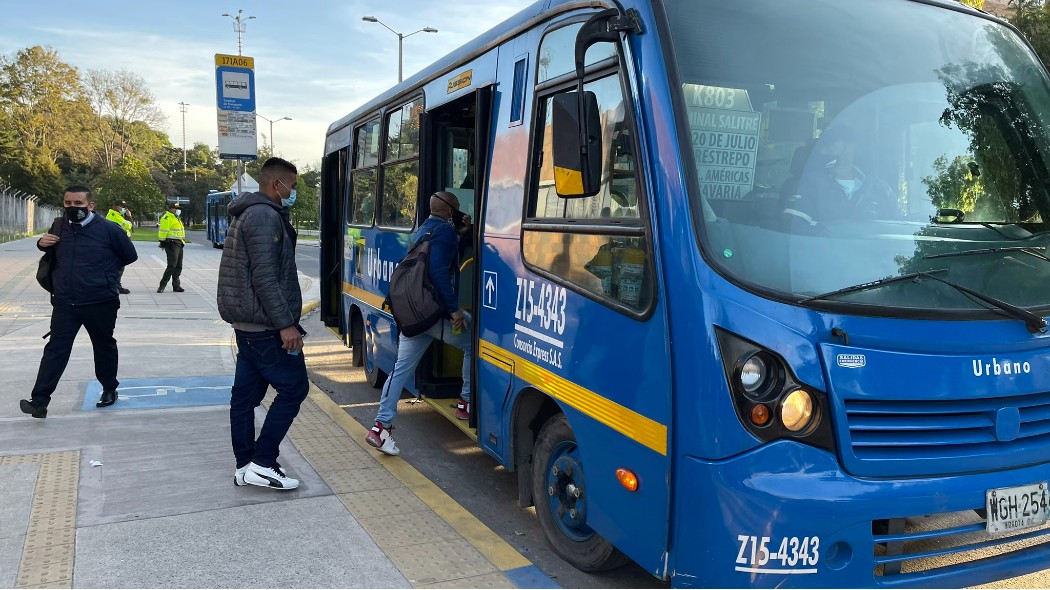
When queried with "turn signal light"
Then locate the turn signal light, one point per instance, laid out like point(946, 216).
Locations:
point(760, 415)
point(627, 479)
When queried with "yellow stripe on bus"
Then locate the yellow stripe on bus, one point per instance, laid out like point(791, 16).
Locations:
point(627, 422)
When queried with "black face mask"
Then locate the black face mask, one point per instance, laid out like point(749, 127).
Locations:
point(457, 218)
point(76, 214)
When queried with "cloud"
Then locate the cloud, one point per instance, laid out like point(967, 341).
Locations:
point(316, 60)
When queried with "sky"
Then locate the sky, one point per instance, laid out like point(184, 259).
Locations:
point(315, 60)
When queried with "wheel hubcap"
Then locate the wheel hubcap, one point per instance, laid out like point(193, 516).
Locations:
point(566, 492)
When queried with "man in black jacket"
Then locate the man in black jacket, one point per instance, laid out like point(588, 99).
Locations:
point(90, 255)
point(259, 295)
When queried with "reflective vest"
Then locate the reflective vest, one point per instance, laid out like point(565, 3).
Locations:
point(171, 228)
point(115, 216)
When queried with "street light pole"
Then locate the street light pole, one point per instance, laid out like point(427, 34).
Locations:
point(400, 42)
point(238, 25)
point(271, 122)
point(182, 108)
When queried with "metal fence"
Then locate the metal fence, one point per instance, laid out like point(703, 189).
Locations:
point(22, 215)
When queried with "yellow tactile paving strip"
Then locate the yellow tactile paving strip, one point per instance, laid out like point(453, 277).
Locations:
point(47, 555)
point(430, 538)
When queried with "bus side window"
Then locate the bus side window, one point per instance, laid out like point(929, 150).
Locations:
point(361, 211)
point(616, 264)
point(401, 166)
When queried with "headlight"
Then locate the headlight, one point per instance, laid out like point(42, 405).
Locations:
point(753, 374)
point(796, 410)
point(770, 401)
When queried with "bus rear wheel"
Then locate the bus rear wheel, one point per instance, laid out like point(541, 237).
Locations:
point(559, 489)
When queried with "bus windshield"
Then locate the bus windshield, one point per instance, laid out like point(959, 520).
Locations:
point(853, 142)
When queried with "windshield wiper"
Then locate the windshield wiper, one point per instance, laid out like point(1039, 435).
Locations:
point(871, 285)
point(1025, 249)
point(1034, 322)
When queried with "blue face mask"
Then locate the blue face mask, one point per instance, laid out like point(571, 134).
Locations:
point(290, 200)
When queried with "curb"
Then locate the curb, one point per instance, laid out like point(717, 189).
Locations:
point(501, 554)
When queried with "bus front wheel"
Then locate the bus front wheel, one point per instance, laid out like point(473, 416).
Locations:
point(559, 489)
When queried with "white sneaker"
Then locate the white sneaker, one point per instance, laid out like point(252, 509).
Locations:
point(379, 437)
point(238, 476)
point(269, 477)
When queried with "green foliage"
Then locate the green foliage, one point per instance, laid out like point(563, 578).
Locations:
point(131, 181)
point(954, 186)
point(42, 108)
point(124, 115)
point(1032, 18)
point(308, 198)
point(34, 172)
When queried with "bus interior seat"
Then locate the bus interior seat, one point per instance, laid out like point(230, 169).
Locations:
point(796, 168)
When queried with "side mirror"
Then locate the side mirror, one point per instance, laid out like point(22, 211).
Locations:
point(577, 144)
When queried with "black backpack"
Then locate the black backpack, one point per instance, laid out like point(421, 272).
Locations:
point(45, 269)
point(413, 300)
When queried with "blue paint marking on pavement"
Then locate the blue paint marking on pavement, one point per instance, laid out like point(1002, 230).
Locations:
point(164, 392)
point(530, 576)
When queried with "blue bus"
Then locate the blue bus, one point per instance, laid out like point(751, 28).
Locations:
point(215, 210)
point(759, 287)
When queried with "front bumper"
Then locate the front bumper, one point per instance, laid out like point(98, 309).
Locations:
point(787, 515)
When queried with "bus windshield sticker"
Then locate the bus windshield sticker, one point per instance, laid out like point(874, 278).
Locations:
point(724, 132)
point(460, 81)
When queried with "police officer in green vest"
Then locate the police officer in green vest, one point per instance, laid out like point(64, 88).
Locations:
point(116, 215)
point(172, 236)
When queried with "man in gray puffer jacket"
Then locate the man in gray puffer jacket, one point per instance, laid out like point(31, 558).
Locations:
point(259, 295)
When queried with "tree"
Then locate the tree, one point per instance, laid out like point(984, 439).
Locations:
point(1032, 18)
point(194, 184)
point(44, 105)
point(307, 197)
point(34, 172)
point(131, 181)
point(202, 156)
point(125, 113)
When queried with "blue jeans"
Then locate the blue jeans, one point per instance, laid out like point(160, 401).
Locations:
point(409, 351)
point(261, 362)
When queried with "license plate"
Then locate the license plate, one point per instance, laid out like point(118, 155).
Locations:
point(1013, 509)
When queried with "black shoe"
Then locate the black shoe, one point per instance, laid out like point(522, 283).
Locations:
point(123, 291)
point(178, 289)
point(160, 289)
point(27, 407)
point(109, 397)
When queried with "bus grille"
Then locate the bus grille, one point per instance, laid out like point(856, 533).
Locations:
point(940, 437)
point(912, 547)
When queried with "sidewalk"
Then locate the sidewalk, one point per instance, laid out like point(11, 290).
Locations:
point(140, 494)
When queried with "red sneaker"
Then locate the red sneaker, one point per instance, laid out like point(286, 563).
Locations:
point(379, 437)
point(463, 409)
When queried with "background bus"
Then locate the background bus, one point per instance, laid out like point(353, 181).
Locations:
point(789, 333)
point(217, 219)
